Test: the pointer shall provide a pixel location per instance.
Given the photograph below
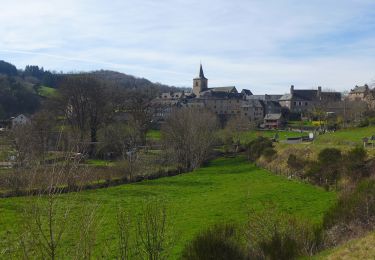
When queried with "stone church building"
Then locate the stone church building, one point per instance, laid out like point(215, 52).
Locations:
point(225, 102)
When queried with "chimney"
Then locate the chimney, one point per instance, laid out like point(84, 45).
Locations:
point(292, 89)
point(319, 91)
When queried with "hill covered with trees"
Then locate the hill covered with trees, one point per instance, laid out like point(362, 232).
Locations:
point(23, 90)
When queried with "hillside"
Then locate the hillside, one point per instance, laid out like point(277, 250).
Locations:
point(21, 90)
point(132, 82)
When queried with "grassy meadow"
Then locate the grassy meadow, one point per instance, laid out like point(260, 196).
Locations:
point(225, 190)
point(349, 136)
point(153, 135)
point(45, 91)
point(283, 135)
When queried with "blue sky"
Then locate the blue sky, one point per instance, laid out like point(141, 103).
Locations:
point(264, 45)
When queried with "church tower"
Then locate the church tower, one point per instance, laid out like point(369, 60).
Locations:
point(200, 83)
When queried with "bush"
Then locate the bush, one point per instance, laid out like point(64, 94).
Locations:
point(329, 156)
point(280, 246)
point(326, 171)
point(355, 161)
point(218, 242)
point(295, 163)
point(269, 153)
point(272, 235)
point(257, 147)
point(357, 207)
point(364, 122)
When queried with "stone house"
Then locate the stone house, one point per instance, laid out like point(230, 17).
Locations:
point(359, 93)
point(20, 120)
point(305, 100)
point(273, 121)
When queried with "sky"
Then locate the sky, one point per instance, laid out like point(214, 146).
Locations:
point(264, 45)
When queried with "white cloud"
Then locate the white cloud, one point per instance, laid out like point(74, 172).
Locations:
point(263, 45)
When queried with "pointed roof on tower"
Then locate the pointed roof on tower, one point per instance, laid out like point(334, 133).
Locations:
point(201, 74)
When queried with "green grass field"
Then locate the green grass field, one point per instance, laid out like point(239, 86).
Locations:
point(153, 135)
point(96, 162)
point(225, 190)
point(350, 136)
point(283, 135)
point(45, 91)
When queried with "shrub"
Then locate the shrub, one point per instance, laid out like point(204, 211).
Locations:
point(268, 153)
point(364, 122)
point(256, 147)
point(280, 246)
point(272, 235)
point(355, 161)
point(218, 242)
point(327, 169)
point(329, 156)
point(357, 206)
point(295, 163)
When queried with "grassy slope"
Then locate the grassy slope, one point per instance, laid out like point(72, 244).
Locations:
point(363, 248)
point(153, 135)
point(45, 91)
point(283, 135)
point(350, 136)
point(223, 191)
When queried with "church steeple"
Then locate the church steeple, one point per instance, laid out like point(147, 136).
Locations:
point(200, 83)
point(201, 74)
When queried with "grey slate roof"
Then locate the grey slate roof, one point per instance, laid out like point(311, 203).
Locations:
point(266, 97)
point(230, 89)
point(286, 97)
point(272, 117)
point(211, 93)
point(247, 92)
point(360, 89)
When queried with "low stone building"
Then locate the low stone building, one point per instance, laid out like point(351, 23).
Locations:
point(273, 121)
point(20, 120)
point(359, 93)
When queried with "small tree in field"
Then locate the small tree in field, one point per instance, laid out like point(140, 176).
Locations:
point(152, 231)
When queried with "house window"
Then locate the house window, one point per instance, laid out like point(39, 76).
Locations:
point(305, 103)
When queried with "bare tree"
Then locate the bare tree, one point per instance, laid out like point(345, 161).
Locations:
point(188, 136)
point(123, 231)
point(138, 105)
point(152, 231)
point(120, 138)
point(86, 104)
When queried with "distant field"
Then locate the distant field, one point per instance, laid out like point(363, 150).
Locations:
point(153, 135)
point(225, 190)
point(45, 91)
point(303, 123)
point(283, 135)
point(350, 136)
point(94, 162)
